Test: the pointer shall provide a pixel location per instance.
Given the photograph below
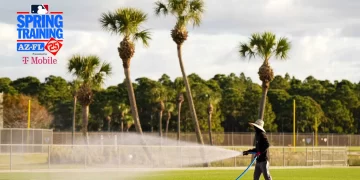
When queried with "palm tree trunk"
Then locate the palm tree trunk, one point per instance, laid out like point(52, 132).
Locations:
point(179, 121)
point(265, 89)
point(151, 123)
point(210, 134)
point(160, 123)
point(85, 116)
point(134, 111)
point(122, 124)
point(109, 122)
point(132, 100)
point(73, 121)
point(189, 97)
point(167, 122)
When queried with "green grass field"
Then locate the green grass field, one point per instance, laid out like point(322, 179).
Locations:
point(278, 174)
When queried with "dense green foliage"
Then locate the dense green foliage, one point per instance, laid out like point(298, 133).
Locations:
point(335, 105)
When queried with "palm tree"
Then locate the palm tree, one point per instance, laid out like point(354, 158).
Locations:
point(129, 121)
point(209, 111)
point(265, 46)
point(179, 100)
point(107, 112)
point(126, 22)
point(169, 108)
point(74, 87)
point(91, 73)
point(179, 89)
point(159, 93)
point(124, 110)
point(185, 12)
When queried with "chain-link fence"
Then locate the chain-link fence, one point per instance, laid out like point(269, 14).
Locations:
point(128, 156)
point(21, 136)
point(226, 139)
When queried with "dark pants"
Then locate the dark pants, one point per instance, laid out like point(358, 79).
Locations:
point(262, 167)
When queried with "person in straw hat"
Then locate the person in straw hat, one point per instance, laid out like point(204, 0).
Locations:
point(262, 151)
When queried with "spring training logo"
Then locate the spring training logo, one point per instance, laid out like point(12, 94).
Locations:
point(37, 31)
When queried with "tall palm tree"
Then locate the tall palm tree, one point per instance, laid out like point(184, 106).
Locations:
point(126, 22)
point(91, 73)
point(265, 46)
point(185, 12)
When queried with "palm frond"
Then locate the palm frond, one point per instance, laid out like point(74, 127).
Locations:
point(282, 48)
point(196, 9)
point(181, 21)
point(87, 69)
point(258, 43)
point(177, 7)
point(160, 8)
point(123, 21)
point(255, 40)
point(75, 65)
point(109, 23)
point(99, 77)
point(91, 64)
point(246, 51)
point(144, 36)
point(269, 42)
point(265, 46)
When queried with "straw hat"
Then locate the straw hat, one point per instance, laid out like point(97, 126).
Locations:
point(259, 124)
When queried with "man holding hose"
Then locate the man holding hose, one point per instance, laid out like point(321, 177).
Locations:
point(262, 151)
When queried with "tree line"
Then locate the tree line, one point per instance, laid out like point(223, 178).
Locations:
point(232, 100)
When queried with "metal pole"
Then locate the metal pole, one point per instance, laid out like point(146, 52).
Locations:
point(22, 140)
point(350, 140)
point(49, 157)
point(283, 156)
point(10, 136)
point(333, 154)
point(11, 156)
point(306, 149)
point(316, 133)
point(85, 156)
point(42, 141)
point(312, 154)
point(28, 123)
point(119, 160)
point(294, 113)
point(73, 121)
point(320, 156)
point(232, 138)
point(181, 164)
point(33, 140)
point(313, 142)
point(0, 139)
point(234, 157)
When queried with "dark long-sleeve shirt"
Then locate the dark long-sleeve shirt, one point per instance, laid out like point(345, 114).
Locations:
point(262, 146)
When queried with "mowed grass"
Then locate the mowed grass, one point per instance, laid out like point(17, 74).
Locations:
point(278, 174)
